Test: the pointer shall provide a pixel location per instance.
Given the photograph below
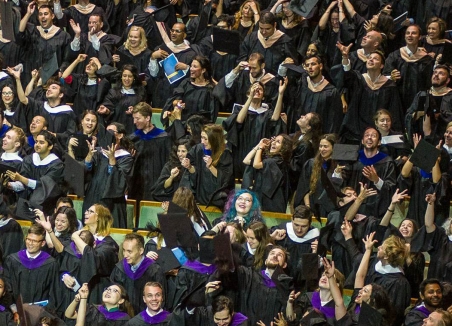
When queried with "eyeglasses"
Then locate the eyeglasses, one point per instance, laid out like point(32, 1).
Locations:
point(243, 199)
point(90, 211)
point(34, 241)
point(176, 31)
point(7, 93)
point(107, 289)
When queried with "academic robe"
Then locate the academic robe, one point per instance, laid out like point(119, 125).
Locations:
point(416, 316)
point(312, 300)
point(108, 188)
point(436, 8)
point(416, 75)
point(88, 96)
point(81, 16)
point(274, 54)
point(242, 137)
point(100, 316)
point(197, 99)
point(17, 116)
point(61, 119)
point(270, 183)
point(163, 318)
point(260, 297)
point(106, 256)
point(34, 279)
point(222, 63)
point(301, 153)
point(80, 266)
point(141, 60)
point(134, 282)
point(300, 35)
point(161, 87)
point(203, 316)
point(152, 152)
point(367, 98)
point(325, 100)
point(11, 236)
point(159, 192)
point(12, 53)
point(108, 42)
point(6, 317)
point(296, 246)
point(203, 183)
point(385, 168)
point(118, 102)
point(429, 46)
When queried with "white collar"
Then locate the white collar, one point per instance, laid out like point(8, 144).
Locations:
point(32, 257)
point(129, 91)
point(91, 82)
point(49, 159)
point(183, 44)
point(262, 109)
point(447, 148)
point(387, 269)
point(308, 236)
point(250, 250)
point(8, 112)
point(450, 237)
point(267, 272)
point(56, 109)
point(156, 239)
point(5, 221)
point(3, 74)
point(119, 153)
point(199, 228)
point(11, 156)
point(99, 237)
point(408, 51)
point(155, 314)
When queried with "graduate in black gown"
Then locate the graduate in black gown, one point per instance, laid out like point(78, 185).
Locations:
point(13, 109)
point(6, 315)
point(90, 89)
point(135, 270)
point(110, 169)
point(115, 308)
point(267, 173)
point(194, 94)
point(154, 314)
point(434, 41)
point(152, 147)
point(33, 279)
point(184, 53)
point(209, 167)
point(249, 123)
point(118, 104)
point(410, 67)
point(431, 291)
point(11, 235)
point(98, 221)
point(272, 43)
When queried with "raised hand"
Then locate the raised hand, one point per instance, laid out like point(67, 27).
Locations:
point(369, 241)
point(399, 196)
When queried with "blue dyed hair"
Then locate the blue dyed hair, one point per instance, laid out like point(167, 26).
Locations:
point(230, 212)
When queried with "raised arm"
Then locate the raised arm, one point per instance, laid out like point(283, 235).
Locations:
point(70, 69)
point(45, 222)
point(430, 213)
point(363, 194)
point(326, 16)
point(364, 264)
point(263, 144)
point(339, 305)
point(436, 171)
point(244, 110)
point(279, 103)
point(81, 314)
point(20, 91)
point(396, 198)
point(349, 7)
point(30, 10)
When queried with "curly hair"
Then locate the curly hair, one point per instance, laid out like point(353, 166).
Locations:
point(238, 16)
point(395, 251)
point(312, 135)
point(318, 161)
point(230, 211)
point(446, 226)
point(286, 149)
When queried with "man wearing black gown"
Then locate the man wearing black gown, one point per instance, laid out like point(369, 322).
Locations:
point(152, 145)
point(273, 44)
point(431, 292)
point(135, 270)
point(370, 43)
point(32, 272)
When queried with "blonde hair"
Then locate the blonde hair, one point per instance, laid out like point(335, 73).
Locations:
point(143, 40)
point(104, 220)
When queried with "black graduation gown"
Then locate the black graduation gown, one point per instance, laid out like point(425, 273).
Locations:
point(118, 103)
point(82, 19)
point(416, 316)
point(326, 103)
point(197, 99)
point(274, 55)
point(435, 48)
point(11, 236)
point(108, 43)
point(33, 279)
point(83, 268)
point(364, 102)
point(329, 38)
point(161, 88)
point(203, 183)
point(310, 300)
point(270, 184)
point(17, 117)
point(385, 168)
point(416, 76)
point(300, 34)
point(6, 317)
point(301, 153)
point(159, 192)
point(222, 64)
point(15, 161)
point(152, 152)
point(106, 255)
point(134, 282)
point(242, 137)
point(61, 119)
point(141, 60)
point(88, 97)
point(143, 319)
point(109, 188)
point(12, 53)
point(99, 316)
point(436, 8)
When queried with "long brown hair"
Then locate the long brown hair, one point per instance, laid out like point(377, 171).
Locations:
point(263, 236)
point(238, 17)
point(318, 161)
point(215, 136)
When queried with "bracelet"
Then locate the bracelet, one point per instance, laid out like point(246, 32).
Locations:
point(259, 148)
point(391, 211)
point(50, 231)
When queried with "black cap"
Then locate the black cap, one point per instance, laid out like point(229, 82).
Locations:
point(303, 8)
point(399, 21)
point(330, 190)
point(74, 175)
point(203, 22)
point(177, 230)
point(24, 210)
point(223, 250)
point(206, 250)
point(309, 266)
point(6, 16)
point(225, 40)
point(343, 152)
point(106, 71)
point(46, 191)
point(49, 68)
point(4, 166)
point(294, 67)
point(314, 317)
point(167, 261)
point(82, 149)
point(425, 156)
point(369, 316)
point(325, 238)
